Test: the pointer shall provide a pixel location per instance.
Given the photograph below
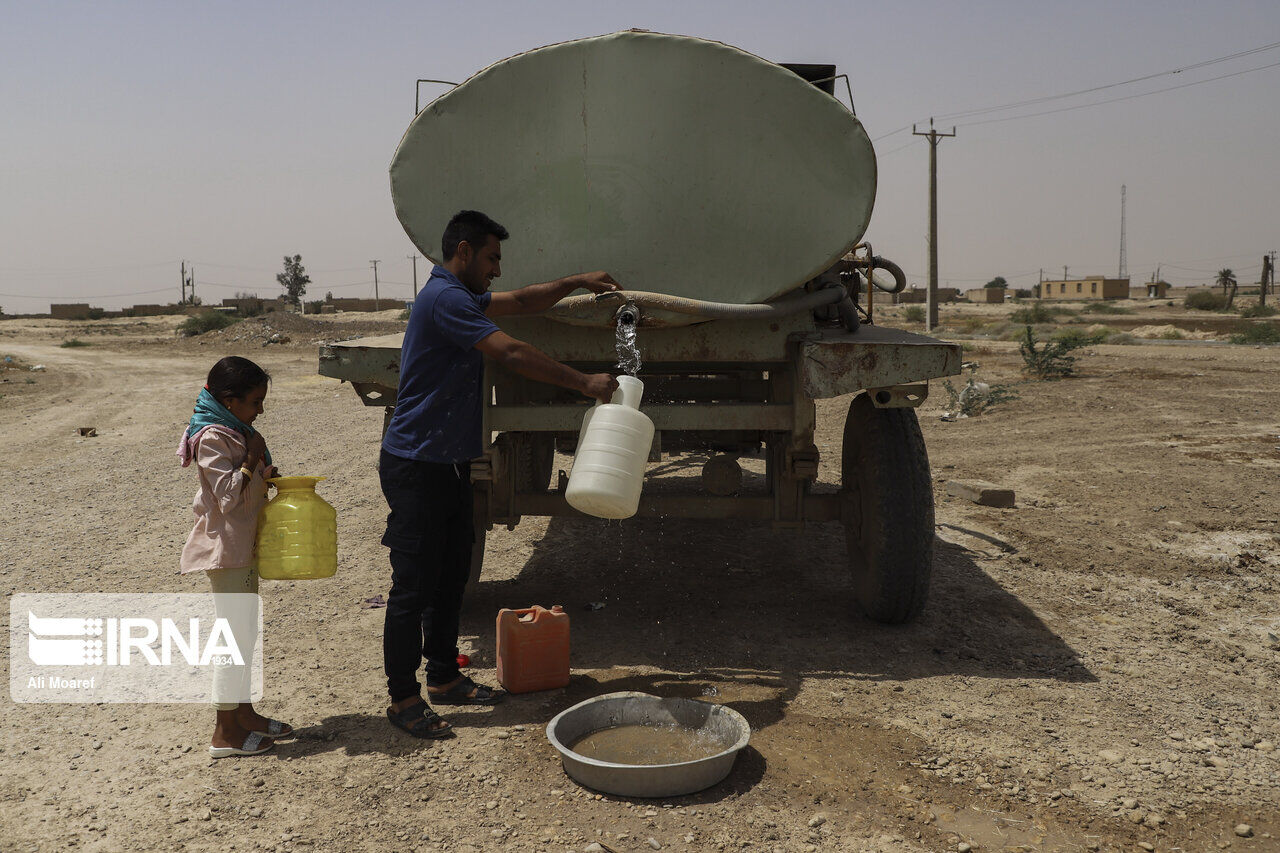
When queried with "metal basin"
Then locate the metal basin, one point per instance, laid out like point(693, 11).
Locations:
point(722, 724)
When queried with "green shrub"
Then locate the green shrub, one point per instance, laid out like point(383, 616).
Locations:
point(404, 315)
point(1258, 333)
point(1038, 312)
point(1172, 335)
point(74, 342)
point(913, 314)
point(1080, 338)
point(96, 313)
point(1121, 338)
point(1257, 310)
point(205, 321)
point(1205, 300)
point(1105, 308)
point(975, 397)
point(1051, 361)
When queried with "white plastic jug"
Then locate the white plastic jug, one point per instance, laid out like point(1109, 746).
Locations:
point(613, 447)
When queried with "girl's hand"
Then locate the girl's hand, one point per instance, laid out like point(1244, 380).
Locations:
point(257, 446)
point(273, 471)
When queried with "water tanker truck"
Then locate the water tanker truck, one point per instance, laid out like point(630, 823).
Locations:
point(729, 195)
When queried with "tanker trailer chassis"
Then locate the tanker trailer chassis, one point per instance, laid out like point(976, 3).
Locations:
point(727, 389)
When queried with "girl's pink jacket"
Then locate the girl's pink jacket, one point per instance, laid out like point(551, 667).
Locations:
point(226, 510)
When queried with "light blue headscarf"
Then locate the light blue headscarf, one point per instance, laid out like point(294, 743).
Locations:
point(209, 412)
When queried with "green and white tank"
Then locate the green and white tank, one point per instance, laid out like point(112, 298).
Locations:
point(682, 166)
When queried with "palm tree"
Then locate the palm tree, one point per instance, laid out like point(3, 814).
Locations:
point(1227, 279)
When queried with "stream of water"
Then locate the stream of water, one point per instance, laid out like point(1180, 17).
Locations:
point(628, 349)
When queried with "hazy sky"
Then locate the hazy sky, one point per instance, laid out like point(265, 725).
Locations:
point(137, 134)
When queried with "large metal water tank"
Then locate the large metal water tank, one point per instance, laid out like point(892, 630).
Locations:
point(681, 166)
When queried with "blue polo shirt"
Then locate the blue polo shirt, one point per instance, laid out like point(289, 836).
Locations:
point(437, 416)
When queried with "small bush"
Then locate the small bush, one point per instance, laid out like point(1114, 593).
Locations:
point(975, 397)
point(914, 314)
point(1259, 333)
point(205, 321)
point(96, 313)
point(1051, 361)
point(74, 342)
point(1172, 335)
point(1023, 293)
point(1205, 300)
point(1078, 338)
point(1038, 312)
point(1259, 311)
point(1105, 308)
point(1121, 338)
point(404, 315)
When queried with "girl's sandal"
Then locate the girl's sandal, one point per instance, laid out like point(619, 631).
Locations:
point(252, 746)
point(276, 729)
point(418, 720)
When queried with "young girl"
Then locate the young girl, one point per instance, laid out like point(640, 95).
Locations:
point(233, 462)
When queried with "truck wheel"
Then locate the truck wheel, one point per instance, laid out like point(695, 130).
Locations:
point(477, 556)
point(888, 510)
point(480, 522)
point(533, 458)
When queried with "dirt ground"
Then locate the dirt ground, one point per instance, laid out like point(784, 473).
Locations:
point(1096, 668)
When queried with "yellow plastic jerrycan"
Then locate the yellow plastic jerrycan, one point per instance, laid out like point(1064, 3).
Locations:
point(297, 532)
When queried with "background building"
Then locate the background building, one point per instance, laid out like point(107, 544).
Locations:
point(1093, 287)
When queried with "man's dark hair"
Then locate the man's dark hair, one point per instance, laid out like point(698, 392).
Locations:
point(472, 226)
point(235, 377)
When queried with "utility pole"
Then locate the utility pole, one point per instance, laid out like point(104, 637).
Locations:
point(1064, 272)
point(1124, 261)
point(375, 284)
point(1040, 286)
point(182, 273)
point(932, 295)
point(414, 258)
point(1268, 276)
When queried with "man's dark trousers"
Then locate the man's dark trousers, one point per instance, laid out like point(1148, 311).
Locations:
point(430, 533)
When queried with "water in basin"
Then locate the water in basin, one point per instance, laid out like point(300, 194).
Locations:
point(642, 745)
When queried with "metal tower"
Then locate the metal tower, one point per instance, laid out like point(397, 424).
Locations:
point(1124, 261)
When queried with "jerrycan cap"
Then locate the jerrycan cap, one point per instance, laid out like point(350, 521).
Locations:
point(303, 482)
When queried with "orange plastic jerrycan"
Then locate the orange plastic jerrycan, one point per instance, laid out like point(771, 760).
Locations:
point(533, 649)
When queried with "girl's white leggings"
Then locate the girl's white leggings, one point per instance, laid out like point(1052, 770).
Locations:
point(231, 685)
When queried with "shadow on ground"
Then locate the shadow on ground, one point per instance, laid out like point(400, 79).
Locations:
point(746, 613)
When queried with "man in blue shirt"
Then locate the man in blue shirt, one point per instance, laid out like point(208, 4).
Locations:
point(426, 453)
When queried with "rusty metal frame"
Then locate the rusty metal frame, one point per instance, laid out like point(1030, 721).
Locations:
point(748, 380)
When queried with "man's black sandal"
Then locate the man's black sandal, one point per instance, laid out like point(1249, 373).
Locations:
point(461, 694)
point(417, 720)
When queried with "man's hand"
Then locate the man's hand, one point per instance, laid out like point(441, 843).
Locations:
point(597, 282)
point(600, 386)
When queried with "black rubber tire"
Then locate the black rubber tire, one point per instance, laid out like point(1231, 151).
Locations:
point(477, 556)
point(889, 522)
point(480, 525)
point(534, 458)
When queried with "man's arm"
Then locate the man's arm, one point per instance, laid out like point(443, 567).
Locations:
point(533, 363)
point(536, 298)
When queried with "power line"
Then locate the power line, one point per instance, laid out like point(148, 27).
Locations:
point(1122, 98)
point(1046, 98)
point(85, 295)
